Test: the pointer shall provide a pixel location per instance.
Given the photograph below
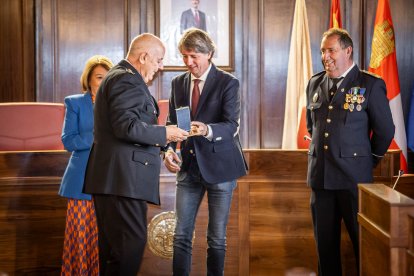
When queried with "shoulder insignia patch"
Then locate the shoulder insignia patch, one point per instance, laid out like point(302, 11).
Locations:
point(371, 74)
point(318, 74)
point(129, 71)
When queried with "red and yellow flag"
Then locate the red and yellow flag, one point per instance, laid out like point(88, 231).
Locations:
point(384, 63)
point(335, 18)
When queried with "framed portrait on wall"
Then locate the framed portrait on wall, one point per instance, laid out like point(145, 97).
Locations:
point(212, 16)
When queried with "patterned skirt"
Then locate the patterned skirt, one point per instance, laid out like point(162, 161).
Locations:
point(80, 248)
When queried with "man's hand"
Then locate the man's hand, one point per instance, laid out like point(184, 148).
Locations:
point(172, 161)
point(175, 134)
point(198, 129)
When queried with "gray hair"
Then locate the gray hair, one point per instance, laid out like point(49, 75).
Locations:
point(198, 41)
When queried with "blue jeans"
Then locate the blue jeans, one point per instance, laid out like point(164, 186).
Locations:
point(189, 194)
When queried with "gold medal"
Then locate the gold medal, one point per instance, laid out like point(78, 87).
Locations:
point(346, 106)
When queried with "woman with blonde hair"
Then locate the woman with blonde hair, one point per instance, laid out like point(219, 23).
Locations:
point(80, 249)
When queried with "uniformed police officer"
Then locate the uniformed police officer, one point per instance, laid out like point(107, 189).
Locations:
point(124, 163)
point(349, 119)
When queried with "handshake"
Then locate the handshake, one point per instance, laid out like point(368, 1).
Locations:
point(176, 134)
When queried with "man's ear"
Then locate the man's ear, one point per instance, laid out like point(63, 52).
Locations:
point(142, 58)
point(349, 51)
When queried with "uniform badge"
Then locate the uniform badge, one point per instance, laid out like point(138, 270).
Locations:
point(315, 97)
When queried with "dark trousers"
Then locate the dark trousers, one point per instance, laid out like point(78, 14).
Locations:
point(329, 208)
point(122, 234)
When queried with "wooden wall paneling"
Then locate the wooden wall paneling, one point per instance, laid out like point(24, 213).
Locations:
point(28, 46)
point(318, 19)
point(17, 51)
point(45, 50)
point(239, 28)
point(251, 88)
point(402, 12)
point(69, 33)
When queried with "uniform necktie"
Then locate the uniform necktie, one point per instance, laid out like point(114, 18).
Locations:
point(195, 97)
point(334, 87)
point(197, 19)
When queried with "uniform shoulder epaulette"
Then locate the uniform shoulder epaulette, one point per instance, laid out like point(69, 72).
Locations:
point(318, 74)
point(129, 71)
point(371, 74)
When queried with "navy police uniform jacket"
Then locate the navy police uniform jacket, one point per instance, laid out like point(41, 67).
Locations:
point(124, 159)
point(346, 144)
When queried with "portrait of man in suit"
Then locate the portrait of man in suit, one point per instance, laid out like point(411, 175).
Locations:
point(213, 17)
point(193, 17)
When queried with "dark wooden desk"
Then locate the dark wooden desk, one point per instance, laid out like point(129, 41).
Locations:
point(32, 215)
point(384, 230)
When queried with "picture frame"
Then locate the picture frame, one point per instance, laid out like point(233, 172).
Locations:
point(216, 15)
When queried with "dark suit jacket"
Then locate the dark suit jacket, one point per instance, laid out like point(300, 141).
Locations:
point(77, 137)
point(124, 158)
point(188, 20)
point(221, 159)
point(341, 151)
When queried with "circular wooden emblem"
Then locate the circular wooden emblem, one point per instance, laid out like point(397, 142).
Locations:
point(161, 233)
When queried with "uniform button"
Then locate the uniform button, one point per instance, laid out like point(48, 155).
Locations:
point(355, 154)
point(330, 107)
point(146, 163)
point(326, 134)
point(325, 147)
point(191, 151)
point(328, 120)
point(157, 145)
point(311, 107)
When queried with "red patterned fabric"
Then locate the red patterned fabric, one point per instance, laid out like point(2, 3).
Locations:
point(80, 248)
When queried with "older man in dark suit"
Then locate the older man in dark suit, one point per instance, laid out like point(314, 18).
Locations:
point(124, 163)
point(212, 159)
point(349, 118)
point(193, 17)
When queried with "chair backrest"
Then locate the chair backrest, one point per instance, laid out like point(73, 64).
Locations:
point(163, 105)
point(31, 126)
